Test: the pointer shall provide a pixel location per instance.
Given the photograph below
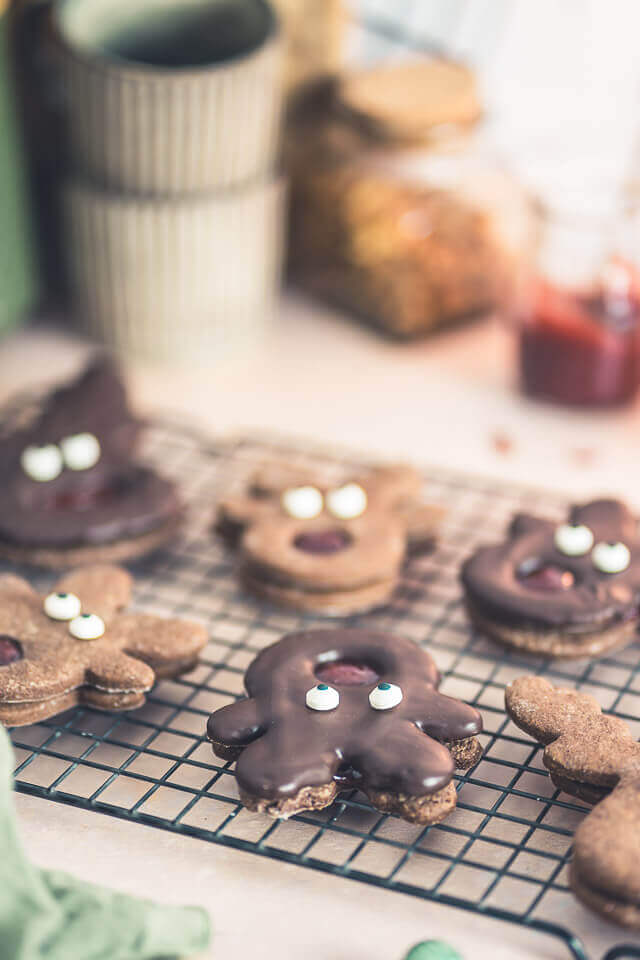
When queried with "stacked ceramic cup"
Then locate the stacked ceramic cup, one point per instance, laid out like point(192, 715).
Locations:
point(173, 210)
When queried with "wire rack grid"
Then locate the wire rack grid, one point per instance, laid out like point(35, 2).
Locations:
point(502, 853)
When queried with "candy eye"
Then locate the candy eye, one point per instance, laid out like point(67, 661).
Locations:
point(303, 503)
point(42, 464)
point(573, 540)
point(611, 557)
point(81, 451)
point(385, 696)
point(347, 502)
point(87, 626)
point(322, 697)
point(62, 606)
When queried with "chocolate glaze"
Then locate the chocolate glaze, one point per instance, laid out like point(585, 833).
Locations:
point(493, 585)
point(114, 500)
point(287, 746)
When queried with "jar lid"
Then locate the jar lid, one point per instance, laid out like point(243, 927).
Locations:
point(409, 99)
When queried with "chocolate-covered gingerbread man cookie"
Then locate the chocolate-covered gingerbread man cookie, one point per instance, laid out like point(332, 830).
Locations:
point(70, 490)
point(77, 646)
point(334, 709)
point(565, 590)
point(594, 757)
point(331, 549)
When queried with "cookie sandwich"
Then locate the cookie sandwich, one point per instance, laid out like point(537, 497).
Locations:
point(78, 645)
point(71, 489)
point(569, 589)
point(333, 549)
point(331, 710)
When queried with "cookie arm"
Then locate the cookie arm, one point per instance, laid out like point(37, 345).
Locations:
point(163, 644)
point(447, 719)
point(235, 725)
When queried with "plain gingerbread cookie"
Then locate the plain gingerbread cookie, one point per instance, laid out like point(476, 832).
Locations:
point(594, 757)
point(76, 645)
point(330, 549)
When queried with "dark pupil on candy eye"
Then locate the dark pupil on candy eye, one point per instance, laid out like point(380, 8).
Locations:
point(85, 616)
point(63, 596)
point(322, 686)
point(10, 650)
point(384, 686)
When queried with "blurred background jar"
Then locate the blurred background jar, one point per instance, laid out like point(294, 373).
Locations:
point(578, 304)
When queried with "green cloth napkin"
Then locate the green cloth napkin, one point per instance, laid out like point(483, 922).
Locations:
point(47, 915)
point(433, 950)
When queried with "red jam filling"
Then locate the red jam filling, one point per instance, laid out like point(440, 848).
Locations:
point(346, 673)
point(547, 578)
point(10, 650)
point(576, 349)
point(82, 497)
point(322, 542)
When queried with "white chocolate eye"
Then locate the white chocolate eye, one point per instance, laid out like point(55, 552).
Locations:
point(322, 697)
point(347, 502)
point(385, 696)
point(62, 606)
point(573, 540)
point(611, 557)
point(42, 463)
point(81, 451)
point(88, 626)
point(303, 503)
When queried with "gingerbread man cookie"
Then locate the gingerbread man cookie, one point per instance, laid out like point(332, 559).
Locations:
point(329, 710)
point(331, 549)
point(594, 757)
point(77, 646)
point(70, 491)
point(564, 590)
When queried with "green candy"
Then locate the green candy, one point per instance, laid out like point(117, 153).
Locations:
point(433, 950)
point(47, 915)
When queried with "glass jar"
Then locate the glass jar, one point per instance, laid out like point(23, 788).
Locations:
point(579, 307)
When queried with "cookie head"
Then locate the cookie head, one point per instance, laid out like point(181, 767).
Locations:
point(77, 645)
point(335, 708)
point(69, 478)
point(305, 535)
point(580, 576)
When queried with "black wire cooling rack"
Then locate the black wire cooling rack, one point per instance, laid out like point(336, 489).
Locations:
point(502, 853)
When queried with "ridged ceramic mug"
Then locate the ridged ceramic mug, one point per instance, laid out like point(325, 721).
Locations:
point(169, 97)
point(185, 280)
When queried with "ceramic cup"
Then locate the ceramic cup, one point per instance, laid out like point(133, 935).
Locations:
point(169, 97)
point(175, 279)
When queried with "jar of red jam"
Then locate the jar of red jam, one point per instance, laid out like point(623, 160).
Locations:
point(579, 311)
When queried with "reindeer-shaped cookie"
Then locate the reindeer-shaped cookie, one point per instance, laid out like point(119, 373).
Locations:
point(327, 548)
point(567, 589)
point(594, 757)
point(70, 489)
point(335, 709)
point(77, 646)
